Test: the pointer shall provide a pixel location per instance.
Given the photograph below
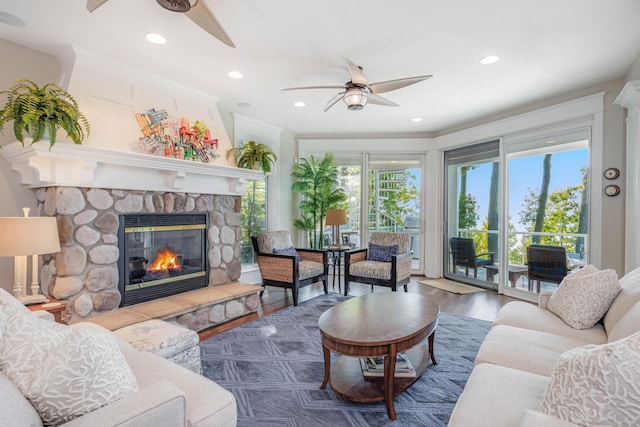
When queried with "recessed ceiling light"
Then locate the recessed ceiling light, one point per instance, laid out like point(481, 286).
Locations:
point(244, 104)
point(235, 74)
point(299, 104)
point(491, 59)
point(155, 38)
point(12, 20)
point(416, 119)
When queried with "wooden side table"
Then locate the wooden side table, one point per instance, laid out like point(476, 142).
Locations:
point(59, 310)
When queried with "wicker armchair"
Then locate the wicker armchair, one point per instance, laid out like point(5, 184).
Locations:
point(360, 267)
point(283, 266)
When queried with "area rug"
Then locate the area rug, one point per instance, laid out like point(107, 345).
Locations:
point(451, 286)
point(274, 367)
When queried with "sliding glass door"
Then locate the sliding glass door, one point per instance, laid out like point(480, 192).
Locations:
point(548, 193)
point(471, 240)
point(505, 200)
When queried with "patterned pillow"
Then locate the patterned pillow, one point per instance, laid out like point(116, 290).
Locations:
point(287, 251)
point(584, 297)
point(381, 253)
point(597, 385)
point(65, 372)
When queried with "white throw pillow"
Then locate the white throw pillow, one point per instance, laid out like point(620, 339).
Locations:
point(65, 372)
point(584, 297)
point(597, 385)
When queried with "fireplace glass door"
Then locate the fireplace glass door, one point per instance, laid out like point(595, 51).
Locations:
point(162, 255)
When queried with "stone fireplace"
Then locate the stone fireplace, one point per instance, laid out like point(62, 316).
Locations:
point(76, 184)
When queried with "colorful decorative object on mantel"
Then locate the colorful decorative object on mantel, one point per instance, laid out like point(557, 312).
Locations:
point(174, 138)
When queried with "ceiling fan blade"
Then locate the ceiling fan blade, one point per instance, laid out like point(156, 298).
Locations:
point(372, 98)
point(204, 18)
point(357, 76)
point(337, 97)
point(94, 4)
point(315, 87)
point(389, 85)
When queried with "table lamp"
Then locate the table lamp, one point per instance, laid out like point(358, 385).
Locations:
point(336, 218)
point(24, 236)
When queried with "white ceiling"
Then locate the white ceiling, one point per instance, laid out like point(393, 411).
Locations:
point(548, 48)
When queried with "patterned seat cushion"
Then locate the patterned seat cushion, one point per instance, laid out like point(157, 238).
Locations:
point(371, 269)
point(308, 269)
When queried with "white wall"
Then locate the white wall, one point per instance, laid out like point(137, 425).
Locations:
point(18, 63)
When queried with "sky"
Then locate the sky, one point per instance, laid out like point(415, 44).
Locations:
point(525, 173)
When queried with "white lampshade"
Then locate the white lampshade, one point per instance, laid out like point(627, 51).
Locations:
point(28, 236)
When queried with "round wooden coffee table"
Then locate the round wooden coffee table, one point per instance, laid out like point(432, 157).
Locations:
point(379, 324)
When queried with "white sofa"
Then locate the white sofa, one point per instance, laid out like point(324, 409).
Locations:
point(531, 355)
point(165, 394)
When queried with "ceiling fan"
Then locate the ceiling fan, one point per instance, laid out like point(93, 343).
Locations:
point(195, 10)
point(357, 92)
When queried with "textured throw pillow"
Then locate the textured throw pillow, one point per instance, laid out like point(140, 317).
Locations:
point(583, 297)
point(287, 251)
point(597, 385)
point(65, 372)
point(381, 253)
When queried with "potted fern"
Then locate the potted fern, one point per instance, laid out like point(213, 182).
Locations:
point(253, 155)
point(39, 112)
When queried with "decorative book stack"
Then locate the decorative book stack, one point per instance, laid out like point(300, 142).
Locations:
point(374, 366)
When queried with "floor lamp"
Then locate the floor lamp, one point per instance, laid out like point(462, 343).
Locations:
point(22, 237)
point(336, 218)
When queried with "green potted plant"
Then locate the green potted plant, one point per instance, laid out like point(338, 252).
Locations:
point(253, 155)
point(317, 183)
point(40, 111)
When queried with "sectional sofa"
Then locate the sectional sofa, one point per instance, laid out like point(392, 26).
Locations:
point(85, 375)
point(574, 359)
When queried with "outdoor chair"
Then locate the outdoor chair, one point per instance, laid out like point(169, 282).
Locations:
point(284, 266)
point(546, 264)
point(463, 253)
point(386, 262)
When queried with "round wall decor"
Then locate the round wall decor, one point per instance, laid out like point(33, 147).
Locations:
point(611, 173)
point(611, 190)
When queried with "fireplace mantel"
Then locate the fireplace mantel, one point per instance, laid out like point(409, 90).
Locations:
point(70, 165)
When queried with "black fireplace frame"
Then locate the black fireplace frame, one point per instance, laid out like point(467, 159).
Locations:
point(148, 293)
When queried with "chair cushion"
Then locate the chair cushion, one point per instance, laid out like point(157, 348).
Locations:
point(381, 253)
point(584, 297)
point(371, 269)
point(308, 269)
point(270, 240)
point(597, 385)
point(403, 240)
point(287, 251)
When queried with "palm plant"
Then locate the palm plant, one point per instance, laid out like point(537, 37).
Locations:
point(253, 155)
point(39, 111)
point(317, 182)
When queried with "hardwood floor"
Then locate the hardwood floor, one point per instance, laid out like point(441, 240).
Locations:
point(479, 305)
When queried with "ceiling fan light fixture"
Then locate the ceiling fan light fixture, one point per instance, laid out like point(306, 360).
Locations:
point(180, 6)
point(355, 98)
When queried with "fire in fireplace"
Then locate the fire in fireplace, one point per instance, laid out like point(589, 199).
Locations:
point(161, 255)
